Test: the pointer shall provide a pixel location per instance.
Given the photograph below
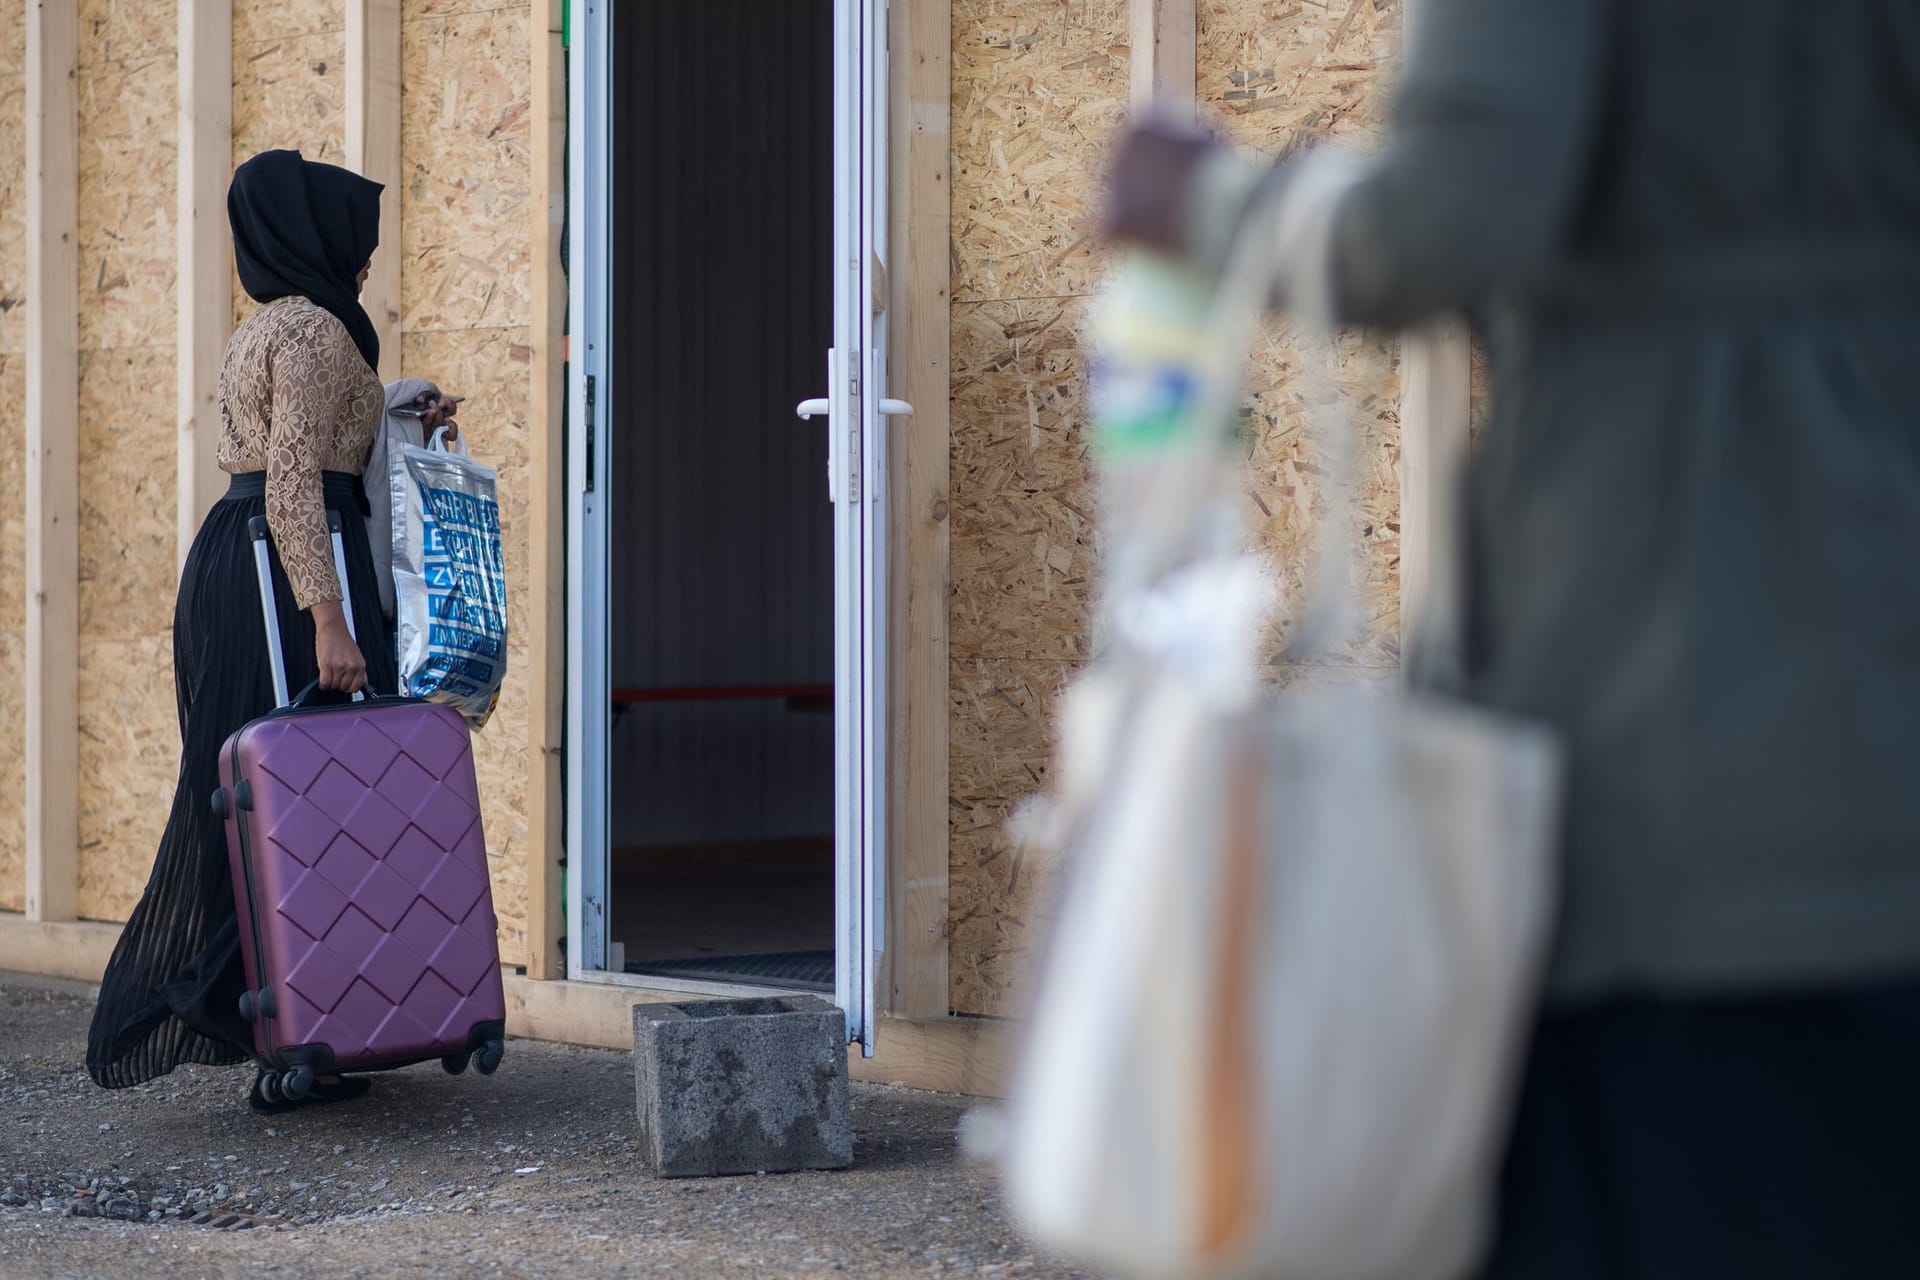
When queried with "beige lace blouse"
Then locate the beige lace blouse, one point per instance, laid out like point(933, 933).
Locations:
point(297, 399)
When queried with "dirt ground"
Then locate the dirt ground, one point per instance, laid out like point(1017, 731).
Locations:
point(532, 1172)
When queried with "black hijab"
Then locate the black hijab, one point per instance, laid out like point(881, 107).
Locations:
point(304, 229)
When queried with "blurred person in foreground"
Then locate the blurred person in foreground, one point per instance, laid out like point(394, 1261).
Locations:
point(1693, 238)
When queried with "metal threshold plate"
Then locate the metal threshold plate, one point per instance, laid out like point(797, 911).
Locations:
point(805, 970)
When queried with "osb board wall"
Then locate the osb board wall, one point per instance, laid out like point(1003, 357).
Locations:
point(465, 284)
point(129, 735)
point(465, 277)
point(289, 84)
point(467, 165)
point(13, 391)
point(1039, 88)
point(1272, 74)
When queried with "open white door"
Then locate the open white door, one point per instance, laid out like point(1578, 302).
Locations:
point(856, 410)
point(590, 393)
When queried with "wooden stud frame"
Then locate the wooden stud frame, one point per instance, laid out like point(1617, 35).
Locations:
point(921, 315)
point(1163, 58)
point(373, 150)
point(203, 263)
point(1436, 405)
point(53, 464)
point(1436, 413)
point(547, 505)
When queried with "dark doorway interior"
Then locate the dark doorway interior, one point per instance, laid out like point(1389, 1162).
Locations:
point(722, 658)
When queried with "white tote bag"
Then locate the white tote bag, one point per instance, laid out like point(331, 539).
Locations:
point(1287, 982)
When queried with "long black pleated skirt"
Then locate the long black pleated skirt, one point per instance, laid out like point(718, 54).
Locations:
point(1751, 1138)
point(170, 994)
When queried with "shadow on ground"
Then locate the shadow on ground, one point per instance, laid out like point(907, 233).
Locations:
point(529, 1172)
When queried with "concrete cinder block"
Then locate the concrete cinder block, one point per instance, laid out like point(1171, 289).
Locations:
point(742, 1086)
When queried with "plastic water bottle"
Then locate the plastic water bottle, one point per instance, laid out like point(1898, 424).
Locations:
point(1164, 440)
point(1165, 478)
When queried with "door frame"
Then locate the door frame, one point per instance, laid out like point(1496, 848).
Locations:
point(589, 403)
point(915, 984)
point(595, 394)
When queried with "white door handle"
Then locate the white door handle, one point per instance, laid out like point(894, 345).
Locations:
point(817, 408)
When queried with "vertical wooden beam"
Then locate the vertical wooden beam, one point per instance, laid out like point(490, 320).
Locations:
point(547, 503)
point(1163, 58)
point(53, 465)
point(921, 316)
point(1436, 415)
point(1436, 405)
point(373, 150)
point(203, 289)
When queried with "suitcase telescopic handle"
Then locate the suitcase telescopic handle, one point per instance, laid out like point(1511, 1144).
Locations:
point(269, 611)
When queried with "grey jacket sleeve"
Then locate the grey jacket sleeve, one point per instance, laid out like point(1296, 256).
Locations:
point(378, 484)
point(1486, 161)
point(394, 435)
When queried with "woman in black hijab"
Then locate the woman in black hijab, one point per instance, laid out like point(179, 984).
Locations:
point(300, 401)
point(304, 229)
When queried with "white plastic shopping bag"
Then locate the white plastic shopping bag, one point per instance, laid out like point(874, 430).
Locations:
point(1280, 1012)
point(450, 582)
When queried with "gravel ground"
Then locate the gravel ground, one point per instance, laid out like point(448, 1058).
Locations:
point(530, 1173)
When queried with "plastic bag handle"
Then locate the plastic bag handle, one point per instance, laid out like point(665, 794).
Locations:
point(1298, 229)
point(1285, 226)
point(439, 443)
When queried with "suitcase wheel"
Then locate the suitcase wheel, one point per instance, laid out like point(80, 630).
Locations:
point(220, 804)
point(270, 1088)
point(297, 1083)
point(487, 1057)
point(455, 1063)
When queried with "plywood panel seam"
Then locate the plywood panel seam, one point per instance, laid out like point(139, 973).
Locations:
point(1031, 297)
point(117, 348)
point(254, 49)
point(132, 62)
point(282, 37)
point(412, 332)
point(443, 15)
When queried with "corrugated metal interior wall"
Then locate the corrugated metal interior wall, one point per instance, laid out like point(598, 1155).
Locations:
point(722, 534)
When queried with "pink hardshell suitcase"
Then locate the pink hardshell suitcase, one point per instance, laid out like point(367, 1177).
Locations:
point(360, 875)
